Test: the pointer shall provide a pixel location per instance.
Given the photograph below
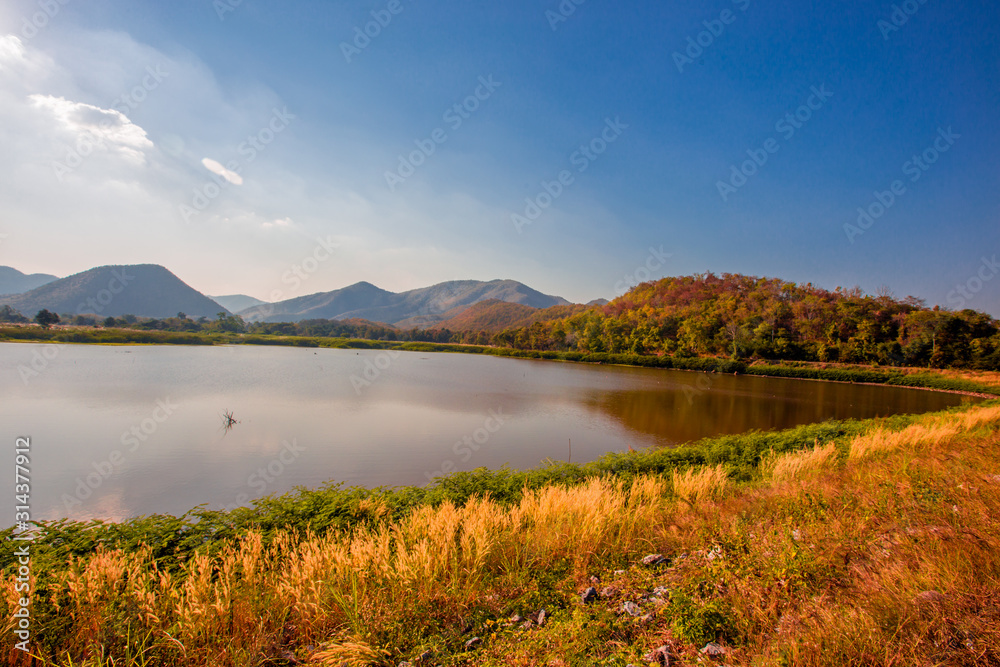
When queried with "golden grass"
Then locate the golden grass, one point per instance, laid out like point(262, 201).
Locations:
point(699, 484)
point(798, 465)
point(891, 557)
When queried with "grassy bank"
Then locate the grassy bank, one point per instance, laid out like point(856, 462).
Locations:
point(860, 543)
point(983, 383)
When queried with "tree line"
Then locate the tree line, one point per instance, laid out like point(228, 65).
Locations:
point(729, 315)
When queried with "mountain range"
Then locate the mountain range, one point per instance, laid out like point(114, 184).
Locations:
point(415, 308)
point(13, 281)
point(150, 290)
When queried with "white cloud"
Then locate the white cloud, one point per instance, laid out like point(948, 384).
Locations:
point(283, 222)
point(11, 49)
point(217, 168)
point(107, 130)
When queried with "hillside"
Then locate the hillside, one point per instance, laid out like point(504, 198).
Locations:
point(493, 316)
point(145, 290)
point(13, 281)
point(418, 308)
point(768, 318)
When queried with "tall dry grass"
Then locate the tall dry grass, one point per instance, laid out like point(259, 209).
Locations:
point(699, 484)
point(339, 592)
point(890, 557)
point(798, 465)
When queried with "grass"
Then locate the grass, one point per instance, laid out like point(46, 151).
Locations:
point(880, 547)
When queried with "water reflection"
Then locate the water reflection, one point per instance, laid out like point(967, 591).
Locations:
point(122, 431)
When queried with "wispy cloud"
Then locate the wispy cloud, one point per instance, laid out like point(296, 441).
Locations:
point(218, 169)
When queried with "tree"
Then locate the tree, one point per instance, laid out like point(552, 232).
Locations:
point(8, 314)
point(46, 319)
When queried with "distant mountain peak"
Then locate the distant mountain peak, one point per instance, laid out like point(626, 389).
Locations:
point(13, 281)
point(143, 290)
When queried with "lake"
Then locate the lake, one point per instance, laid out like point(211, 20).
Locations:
point(126, 431)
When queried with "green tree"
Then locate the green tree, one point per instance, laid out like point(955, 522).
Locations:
point(8, 314)
point(46, 319)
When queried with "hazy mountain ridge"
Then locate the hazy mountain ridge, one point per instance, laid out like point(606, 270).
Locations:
point(150, 290)
point(234, 303)
point(14, 282)
point(143, 290)
point(421, 307)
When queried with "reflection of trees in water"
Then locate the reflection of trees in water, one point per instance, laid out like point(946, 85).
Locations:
point(680, 412)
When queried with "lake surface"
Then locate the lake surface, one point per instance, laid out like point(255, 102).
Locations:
point(126, 431)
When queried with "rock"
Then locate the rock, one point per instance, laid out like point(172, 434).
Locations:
point(661, 591)
point(609, 592)
point(653, 559)
point(425, 656)
point(659, 655)
point(595, 580)
point(527, 625)
point(631, 608)
point(516, 618)
point(473, 643)
point(714, 650)
point(619, 573)
point(541, 617)
point(589, 595)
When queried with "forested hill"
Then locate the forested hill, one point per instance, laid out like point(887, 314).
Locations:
point(746, 316)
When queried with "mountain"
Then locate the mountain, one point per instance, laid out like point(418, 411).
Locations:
point(13, 281)
point(422, 307)
point(144, 290)
point(494, 316)
point(234, 303)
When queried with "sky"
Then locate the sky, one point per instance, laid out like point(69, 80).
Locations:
point(279, 149)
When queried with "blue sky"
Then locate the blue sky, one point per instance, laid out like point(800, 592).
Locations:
point(309, 134)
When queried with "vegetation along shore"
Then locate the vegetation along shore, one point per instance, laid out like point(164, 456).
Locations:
point(869, 542)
